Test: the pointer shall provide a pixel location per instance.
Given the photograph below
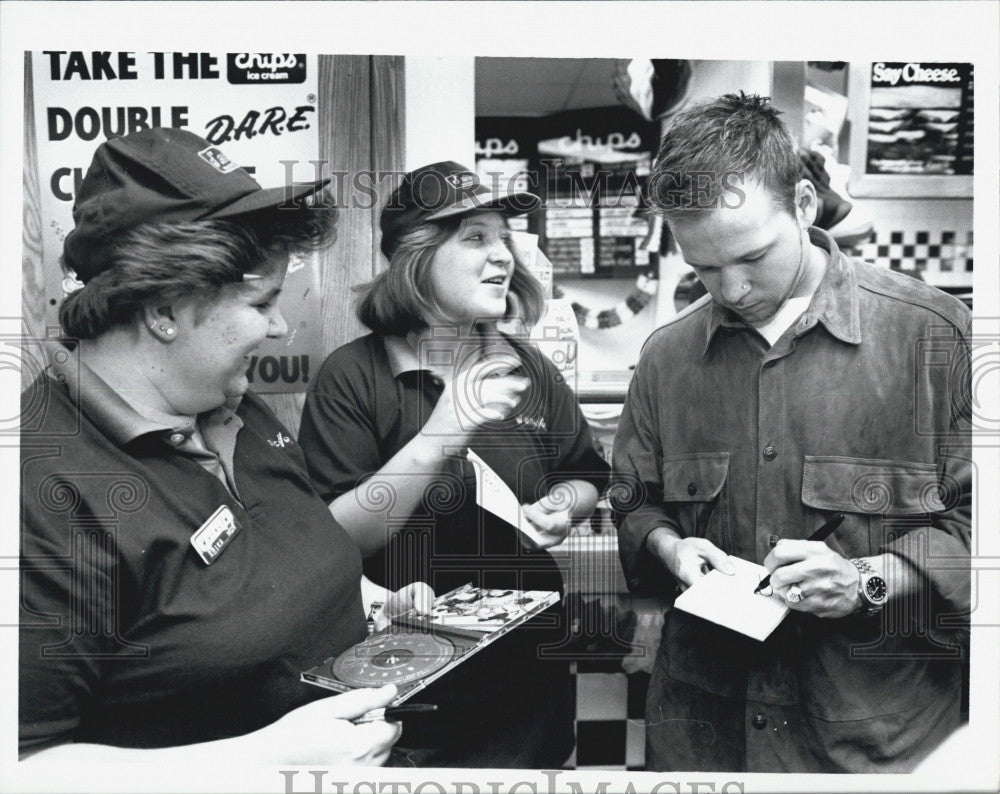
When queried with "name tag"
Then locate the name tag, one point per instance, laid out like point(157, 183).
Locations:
point(212, 537)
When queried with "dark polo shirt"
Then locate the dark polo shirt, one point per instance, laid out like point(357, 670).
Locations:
point(372, 396)
point(369, 399)
point(127, 637)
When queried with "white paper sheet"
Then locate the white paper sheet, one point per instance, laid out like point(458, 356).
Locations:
point(493, 494)
point(730, 600)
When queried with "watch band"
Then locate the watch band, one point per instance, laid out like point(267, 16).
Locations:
point(869, 575)
point(864, 567)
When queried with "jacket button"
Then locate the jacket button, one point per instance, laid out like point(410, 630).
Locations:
point(772, 540)
point(692, 488)
point(759, 721)
point(177, 438)
point(770, 453)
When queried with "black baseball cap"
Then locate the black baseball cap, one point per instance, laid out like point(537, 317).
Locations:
point(161, 175)
point(442, 190)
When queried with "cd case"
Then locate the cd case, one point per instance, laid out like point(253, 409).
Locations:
point(418, 649)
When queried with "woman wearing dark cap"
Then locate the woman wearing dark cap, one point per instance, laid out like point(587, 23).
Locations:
point(178, 570)
point(385, 428)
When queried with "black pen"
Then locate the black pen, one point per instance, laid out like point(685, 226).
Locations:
point(393, 713)
point(820, 534)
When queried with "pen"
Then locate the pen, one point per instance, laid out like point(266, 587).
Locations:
point(820, 534)
point(391, 713)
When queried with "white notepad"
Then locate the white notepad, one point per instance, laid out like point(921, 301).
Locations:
point(493, 494)
point(730, 601)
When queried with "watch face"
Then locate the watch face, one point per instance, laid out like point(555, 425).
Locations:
point(875, 589)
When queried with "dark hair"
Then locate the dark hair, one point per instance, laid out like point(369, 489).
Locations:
point(159, 263)
point(712, 148)
point(398, 299)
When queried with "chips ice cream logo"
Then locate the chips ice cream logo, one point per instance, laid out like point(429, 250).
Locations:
point(256, 68)
point(463, 181)
point(214, 157)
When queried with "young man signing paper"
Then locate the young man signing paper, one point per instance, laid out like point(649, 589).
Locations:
point(800, 387)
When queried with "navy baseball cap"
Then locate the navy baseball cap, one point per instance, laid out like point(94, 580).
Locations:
point(161, 175)
point(443, 190)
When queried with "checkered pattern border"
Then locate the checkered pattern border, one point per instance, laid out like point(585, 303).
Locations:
point(610, 717)
point(924, 251)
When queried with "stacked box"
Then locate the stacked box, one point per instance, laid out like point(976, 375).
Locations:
point(571, 255)
point(621, 234)
point(569, 232)
point(618, 251)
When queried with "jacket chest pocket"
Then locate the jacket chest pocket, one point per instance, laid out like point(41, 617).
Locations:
point(695, 493)
point(879, 496)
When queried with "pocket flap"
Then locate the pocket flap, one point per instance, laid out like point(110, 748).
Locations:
point(864, 485)
point(694, 477)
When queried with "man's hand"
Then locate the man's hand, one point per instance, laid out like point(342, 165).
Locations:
point(688, 559)
point(827, 582)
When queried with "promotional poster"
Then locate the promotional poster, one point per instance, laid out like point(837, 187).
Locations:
point(258, 109)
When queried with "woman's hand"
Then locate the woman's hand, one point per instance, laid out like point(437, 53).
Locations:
point(322, 734)
point(550, 518)
point(319, 734)
point(480, 396)
point(473, 398)
point(418, 596)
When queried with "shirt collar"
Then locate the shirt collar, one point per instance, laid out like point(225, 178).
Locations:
point(117, 418)
point(834, 304)
point(402, 357)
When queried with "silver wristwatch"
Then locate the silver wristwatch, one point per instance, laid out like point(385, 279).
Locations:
point(872, 588)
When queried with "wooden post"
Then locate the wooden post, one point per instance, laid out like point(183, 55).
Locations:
point(32, 272)
point(361, 117)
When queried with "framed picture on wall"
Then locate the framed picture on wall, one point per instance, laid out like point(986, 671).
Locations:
point(911, 129)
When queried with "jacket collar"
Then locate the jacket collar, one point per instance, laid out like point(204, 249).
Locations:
point(834, 304)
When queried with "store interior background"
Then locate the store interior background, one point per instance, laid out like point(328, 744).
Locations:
point(535, 87)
